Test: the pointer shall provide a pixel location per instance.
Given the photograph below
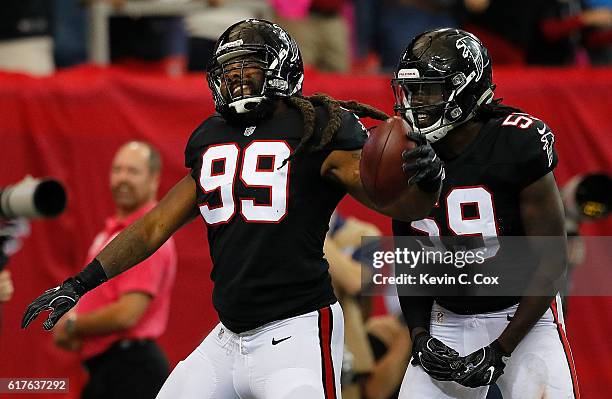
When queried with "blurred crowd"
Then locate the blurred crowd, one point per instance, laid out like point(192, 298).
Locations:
point(359, 36)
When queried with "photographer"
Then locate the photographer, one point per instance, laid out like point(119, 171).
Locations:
point(11, 234)
point(378, 347)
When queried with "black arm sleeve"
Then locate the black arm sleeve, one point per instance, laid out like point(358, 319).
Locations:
point(417, 311)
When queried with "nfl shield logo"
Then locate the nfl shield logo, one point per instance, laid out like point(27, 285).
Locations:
point(249, 130)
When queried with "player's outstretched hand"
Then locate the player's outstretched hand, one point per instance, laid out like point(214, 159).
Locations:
point(426, 168)
point(436, 358)
point(482, 367)
point(58, 300)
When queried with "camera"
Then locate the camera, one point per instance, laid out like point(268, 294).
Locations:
point(586, 198)
point(32, 198)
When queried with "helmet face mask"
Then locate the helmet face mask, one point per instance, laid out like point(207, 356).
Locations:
point(239, 81)
point(422, 103)
point(254, 63)
point(443, 77)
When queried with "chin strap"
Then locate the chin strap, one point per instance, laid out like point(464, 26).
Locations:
point(249, 110)
point(443, 130)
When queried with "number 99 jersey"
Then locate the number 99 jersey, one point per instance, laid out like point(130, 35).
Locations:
point(480, 193)
point(267, 218)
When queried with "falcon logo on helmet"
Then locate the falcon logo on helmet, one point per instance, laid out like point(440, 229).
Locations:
point(474, 54)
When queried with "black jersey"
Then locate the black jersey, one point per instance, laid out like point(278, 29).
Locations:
point(267, 220)
point(480, 193)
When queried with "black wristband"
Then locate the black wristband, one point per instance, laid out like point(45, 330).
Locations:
point(499, 348)
point(426, 332)
point(89, 278)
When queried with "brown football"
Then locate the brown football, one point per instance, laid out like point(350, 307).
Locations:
point(381, 161)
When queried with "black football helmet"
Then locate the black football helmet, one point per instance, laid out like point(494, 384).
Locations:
point(253, 43)
point(442, 78)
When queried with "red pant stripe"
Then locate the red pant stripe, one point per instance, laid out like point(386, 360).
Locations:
point(326, 325)
point(566, 348)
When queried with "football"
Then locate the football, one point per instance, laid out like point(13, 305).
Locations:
point(381, 161)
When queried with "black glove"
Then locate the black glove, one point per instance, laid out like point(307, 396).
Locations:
point(482, 367)
point(59, 300)
point(438, 360)
point(427, 167)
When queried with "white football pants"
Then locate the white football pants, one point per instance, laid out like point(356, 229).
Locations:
point(541, 366)
point(295, 358)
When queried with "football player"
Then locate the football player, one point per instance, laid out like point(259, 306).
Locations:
point(266, 172)
point(499, 182)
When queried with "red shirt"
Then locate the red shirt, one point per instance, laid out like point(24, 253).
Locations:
point(154, 276)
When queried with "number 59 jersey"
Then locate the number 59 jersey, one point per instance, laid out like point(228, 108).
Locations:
point(267, 218)
point(481, 191)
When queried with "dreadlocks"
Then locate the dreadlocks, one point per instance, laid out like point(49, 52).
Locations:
point(333, 107)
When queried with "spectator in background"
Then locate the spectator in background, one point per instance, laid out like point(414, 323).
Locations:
point(504, 27)
point(586, 198)
point(378, 347)
point(320, 30)
point(6, 286)
point(537, 32)
point(114, 327)
point(562, 28)
point(25, 37)
point(70, 32)
point(12, 232)
point(597, 18)
point(397, 21)
point(204, 27)
point(159, 39)
point(343, 238)
point(391, 345)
